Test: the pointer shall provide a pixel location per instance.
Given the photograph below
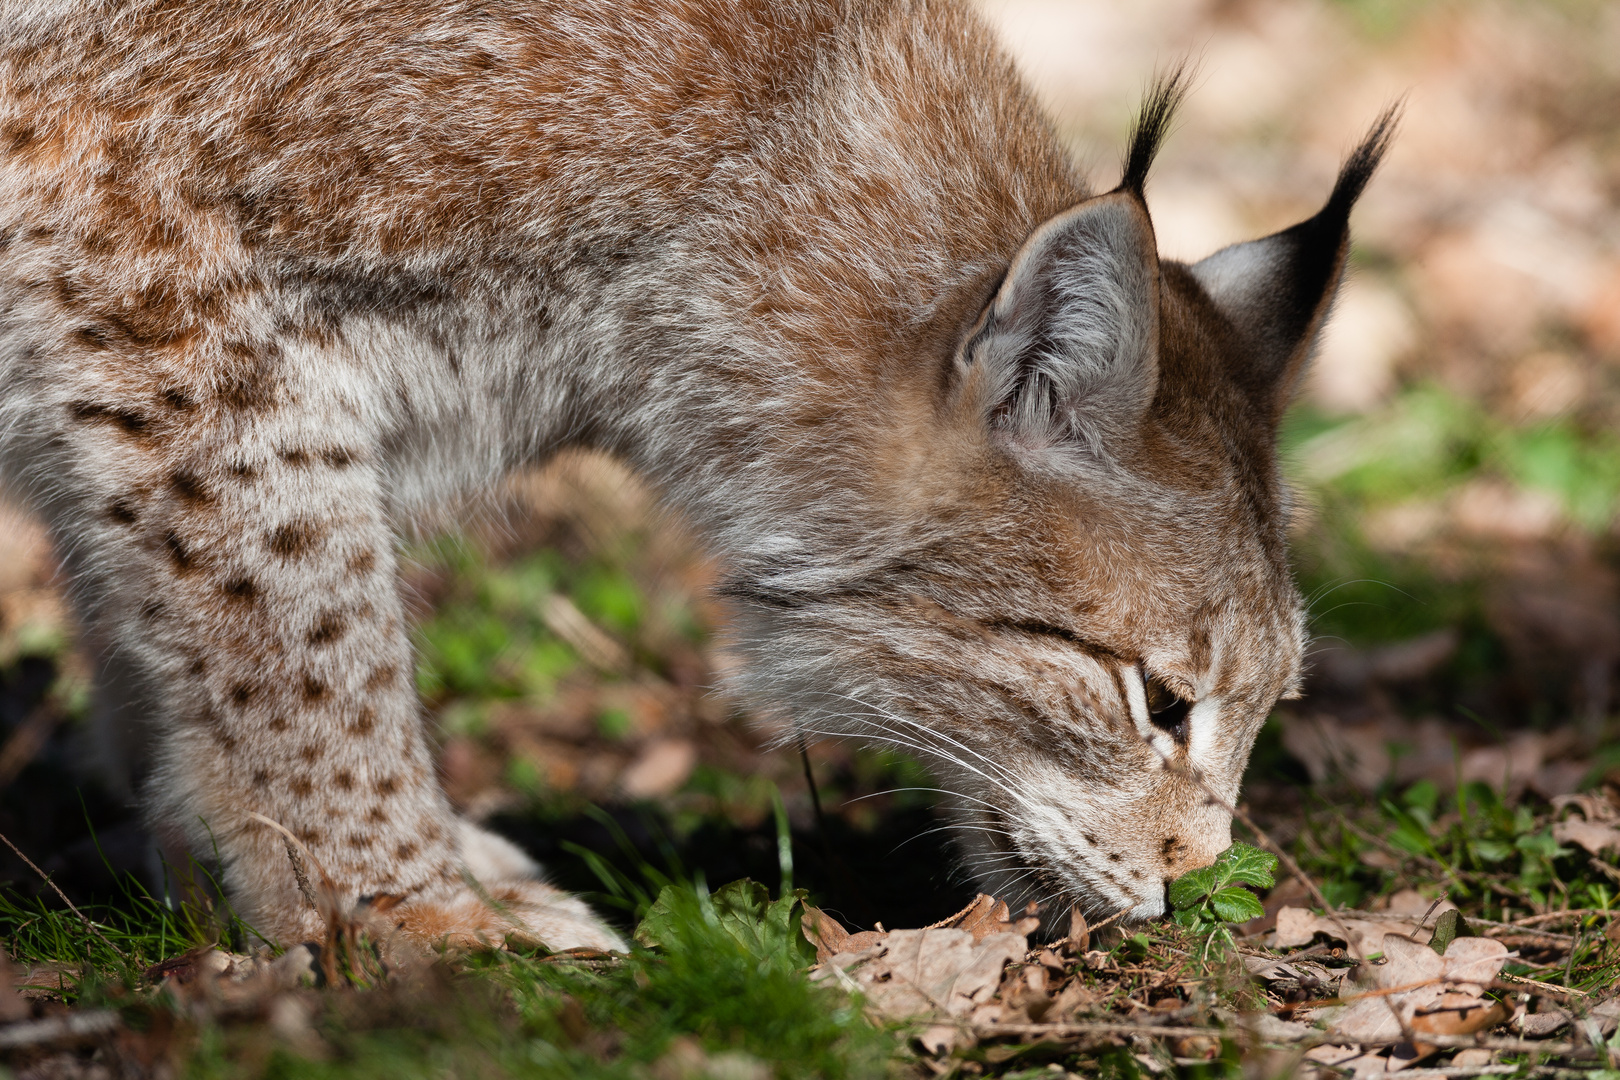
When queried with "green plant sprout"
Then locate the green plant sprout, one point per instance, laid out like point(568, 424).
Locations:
point(1207, 899)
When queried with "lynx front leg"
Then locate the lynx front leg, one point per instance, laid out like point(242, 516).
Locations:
point(235, 544)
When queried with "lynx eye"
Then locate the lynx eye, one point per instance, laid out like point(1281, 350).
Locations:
point(1167, 708)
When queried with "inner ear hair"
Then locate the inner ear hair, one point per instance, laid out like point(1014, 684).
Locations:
point(1277, 291)
point(1069, 343)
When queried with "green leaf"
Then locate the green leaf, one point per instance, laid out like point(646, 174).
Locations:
point(1542, 844)
point(1247, 864)
point(1411, 836)
point(1448, 928)
point(1422, 797)
point(1492, 850)
point(1192, 917)
point(660, 925)
point(1237, 904)
point(1191, 888)
point(764, 927)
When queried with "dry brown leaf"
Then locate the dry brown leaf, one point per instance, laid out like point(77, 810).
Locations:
point(1297, 926)
point(1078, 942)
point(1412, 979)
point(942, 972)
point(982, 918)
point(830, 938)
point(986, 916)
point(1474, 961)
point(1592, 807)
point(1455, 1014)
point(1458, 1014)
point(1539, 1025)
point(1309, 976)
point(1071, 999)
point(941, 1039)
point(1607, 1015)
point(1413, 903)
point(1349, 1058)
point(1594, 838)
point(1200, 1047)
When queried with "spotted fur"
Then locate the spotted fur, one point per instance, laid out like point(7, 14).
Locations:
point(277, 281)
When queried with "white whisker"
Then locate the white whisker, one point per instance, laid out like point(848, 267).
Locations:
point(939, 791)
point(931, 751)
point(916, 725)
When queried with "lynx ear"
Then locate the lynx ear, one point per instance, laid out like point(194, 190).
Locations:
point(1070, 342)
point(1277, 291)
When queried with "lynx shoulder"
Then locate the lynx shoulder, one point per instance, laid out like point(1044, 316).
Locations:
point(991, 481)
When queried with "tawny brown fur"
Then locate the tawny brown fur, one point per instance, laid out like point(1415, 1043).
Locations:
point(277, 281)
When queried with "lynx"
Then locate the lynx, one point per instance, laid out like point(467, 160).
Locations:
point(990, 481)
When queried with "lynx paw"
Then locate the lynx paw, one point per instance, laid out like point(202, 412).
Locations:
point(500, 914)
point(509, 904)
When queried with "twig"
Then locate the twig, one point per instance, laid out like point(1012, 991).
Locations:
point(74, 1025)
point(1515, 928)
point(1515, 981)
point(810, 782)
point(831, 857)
point(26, 742)
point(1512, 927)
point(88, 925)
point(949, 919)
point(1120, 914)
point(1315, 1037)
point(1098, 1027)
point(1446, 1071)
point(1555, 916)
point(293, 842)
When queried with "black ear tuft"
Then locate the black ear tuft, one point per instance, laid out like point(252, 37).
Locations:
point(1276, 291)
point(1363, 161)
point(1151, 126)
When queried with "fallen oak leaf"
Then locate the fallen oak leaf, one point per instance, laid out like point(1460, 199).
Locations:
point(1596, 839)
point(830, 938)
point(1592, 807)
point(1351, 1059)
point(942, 971)
point(1303, 973)
point(1078, 941)
point(1455, 1014)
point(985, 916)
point(1413, 977)
point(1539, 1025)
point(1299, 926)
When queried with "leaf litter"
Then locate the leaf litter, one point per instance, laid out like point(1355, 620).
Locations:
point(1430, 994)
point(1416, 986)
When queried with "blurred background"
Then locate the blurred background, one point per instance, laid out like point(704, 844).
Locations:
point(1456, 452)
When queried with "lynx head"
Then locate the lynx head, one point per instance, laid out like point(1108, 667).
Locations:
point(1078, 606)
